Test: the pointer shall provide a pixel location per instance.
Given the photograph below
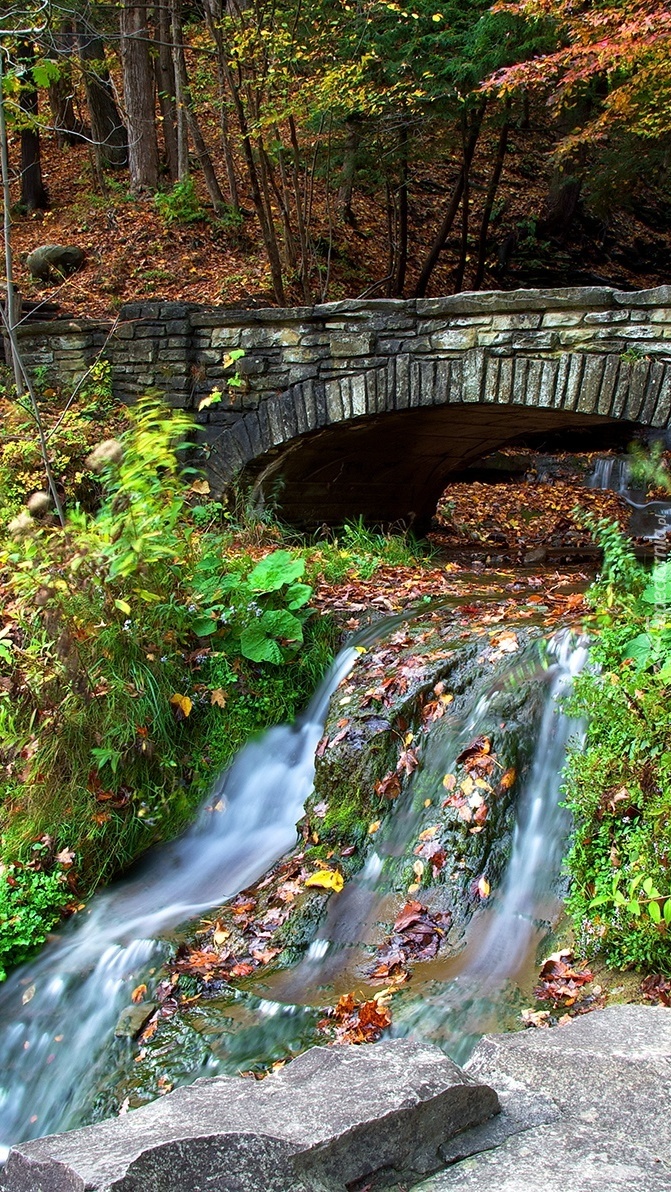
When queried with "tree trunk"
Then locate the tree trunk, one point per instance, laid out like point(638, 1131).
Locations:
point(465, 215)
point(402, 256)
point(34, 195)
point(185, 107)
point(490, 198)
point(107, 128)
point(213, 15)
point(138, 90)
point(68, 127)
point(450, 215)
point(165, 85)
point(346, 187)
point(264, 215)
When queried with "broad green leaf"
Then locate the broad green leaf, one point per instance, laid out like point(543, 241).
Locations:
point(634, 907)
point(274, 571)
point(281, 623)
point(123, 606)
point(256, 645)
point(297, 595)
point(667, 911)
point(640, 648)
point(658, 590)
point(204, 626)
point(654, 912)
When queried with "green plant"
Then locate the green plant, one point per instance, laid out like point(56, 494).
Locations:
point(181, 204)
point(31, 903)
point(618, 784)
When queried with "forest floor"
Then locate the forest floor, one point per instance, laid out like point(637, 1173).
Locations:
point(132, 254)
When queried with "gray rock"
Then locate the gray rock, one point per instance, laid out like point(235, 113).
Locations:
point(54, 261)
point(562, 1155)
point(331, 1117)
point(603, 1078)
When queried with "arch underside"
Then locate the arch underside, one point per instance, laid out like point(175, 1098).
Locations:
point(393, 467)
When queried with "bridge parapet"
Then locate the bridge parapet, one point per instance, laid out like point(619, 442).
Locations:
point(583, 353)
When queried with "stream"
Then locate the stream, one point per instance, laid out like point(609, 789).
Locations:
point(58, 1013)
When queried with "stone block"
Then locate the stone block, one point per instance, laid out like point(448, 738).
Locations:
point(660, 296)
point(455, 339)
point(225, 337)
point(535, 341)
point(346, 345)
point(563, 318)
point(331, 1117)
point(606, 316)
point(661, 315)
point(516, 321)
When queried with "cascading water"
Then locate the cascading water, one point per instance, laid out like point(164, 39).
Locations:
point(649, 519)
point(57, 1015)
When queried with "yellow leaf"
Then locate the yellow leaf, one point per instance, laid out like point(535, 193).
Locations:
point(122, 606)
point(418, 869)
point(449, 782)
point(327, 879)
point(219, 697)
point(138, 993)
point(219, 936)
point(182, 703)
point(374, 827)
point(360, 649)
point(483, 887)
point(413, 888)
point(200, 486)
point(408, 739)
point(428, 832)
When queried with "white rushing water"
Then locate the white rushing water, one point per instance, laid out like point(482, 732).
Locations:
point(58, 1014)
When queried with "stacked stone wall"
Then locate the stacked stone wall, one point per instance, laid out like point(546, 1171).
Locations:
point(593, 350)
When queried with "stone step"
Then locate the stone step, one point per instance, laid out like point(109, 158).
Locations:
point(589, 1102)
point(331, 1117)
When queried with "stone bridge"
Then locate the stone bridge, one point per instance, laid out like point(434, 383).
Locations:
point(368, 407)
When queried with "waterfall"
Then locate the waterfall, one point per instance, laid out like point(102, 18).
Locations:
point(649, 519)
point(58, 1014)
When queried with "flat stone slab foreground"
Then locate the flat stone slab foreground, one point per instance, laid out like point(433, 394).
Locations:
point(331, 1117)
point(584, 1105)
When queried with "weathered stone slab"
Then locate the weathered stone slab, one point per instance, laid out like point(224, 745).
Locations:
point(565, 1155)
point(332, 1116)
point(587, 1103)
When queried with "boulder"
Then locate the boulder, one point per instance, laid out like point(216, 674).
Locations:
point(54, 261)
point(332, 1116)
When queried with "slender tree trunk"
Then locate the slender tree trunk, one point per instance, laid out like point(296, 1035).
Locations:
point(179, 73)
point(213, 15)
point(68, 127)
point(34, 195)
point(263, 213)
point(402, 256)
point(185, 106)
point(346, 187)
point(450, 215)
point(107, 128)
point(465, 216)
point(490, 199)
point(165, 85)
point(300, 200)
point(138, 89)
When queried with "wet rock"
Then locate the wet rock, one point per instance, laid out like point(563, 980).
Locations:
point(133, 1019)
point(331, 1117)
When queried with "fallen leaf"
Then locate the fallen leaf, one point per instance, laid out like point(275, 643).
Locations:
point(326, 879)
point(182, 705)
